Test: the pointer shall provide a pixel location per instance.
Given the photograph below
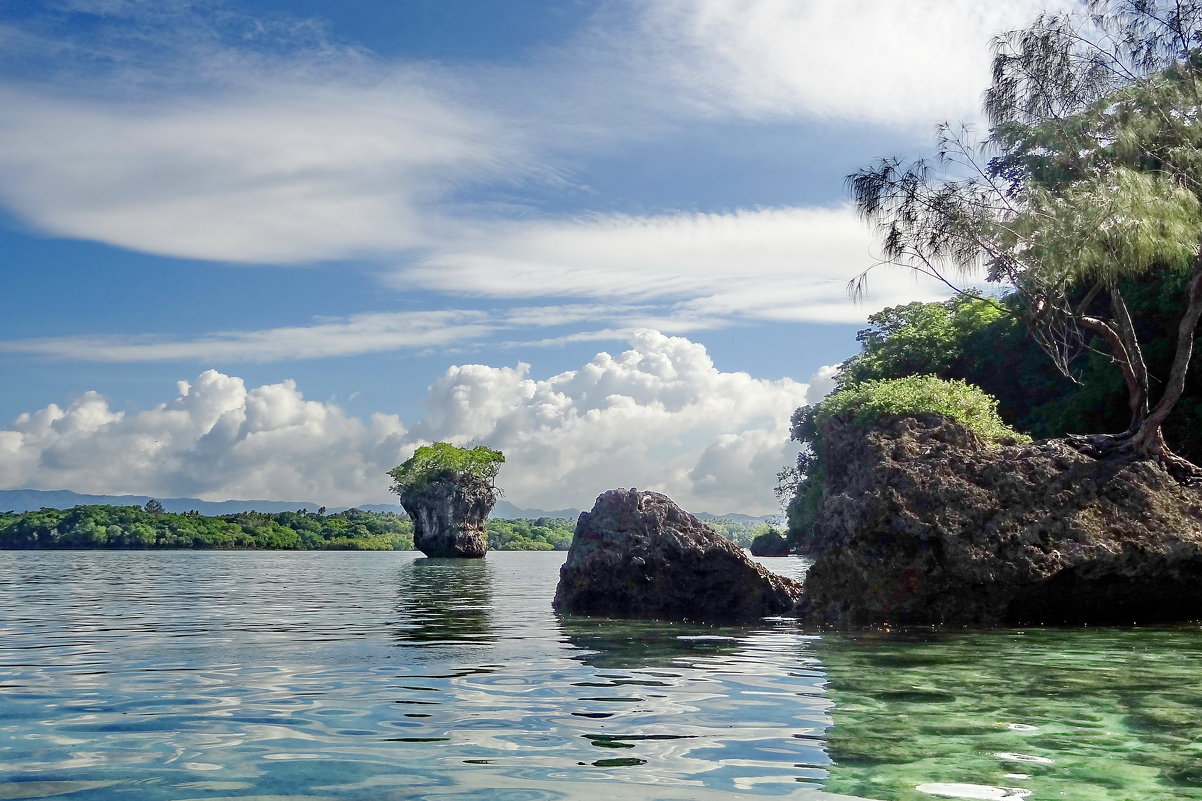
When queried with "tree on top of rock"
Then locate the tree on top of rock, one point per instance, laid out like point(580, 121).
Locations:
point(443, 461)
point(1095, 178)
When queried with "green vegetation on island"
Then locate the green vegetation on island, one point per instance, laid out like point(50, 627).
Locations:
point(741, 533)
point(141, 528)
point(541, 534)
point(441, 460)
point(448, 491)
point(1094, 184)
point(869, 402)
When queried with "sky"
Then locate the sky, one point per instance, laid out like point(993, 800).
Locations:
point(266, 248)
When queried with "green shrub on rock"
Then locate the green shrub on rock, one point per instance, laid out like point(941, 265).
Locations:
point(872, 402)
point(430, 463)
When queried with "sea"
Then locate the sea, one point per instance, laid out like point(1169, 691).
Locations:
point(299, 676)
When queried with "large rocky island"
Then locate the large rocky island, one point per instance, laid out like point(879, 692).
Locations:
point(923, 522)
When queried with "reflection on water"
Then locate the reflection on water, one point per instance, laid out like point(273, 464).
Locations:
point(633, 644)
point(181, 675)
point(444, 602)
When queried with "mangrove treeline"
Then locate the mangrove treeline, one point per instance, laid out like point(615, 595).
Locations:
point(134, 527)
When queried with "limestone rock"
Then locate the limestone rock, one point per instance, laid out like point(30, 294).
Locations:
point(922, 523)
point(449, 516)
point(639, 555)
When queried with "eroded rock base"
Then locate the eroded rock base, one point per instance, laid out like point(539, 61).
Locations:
point(449, 518)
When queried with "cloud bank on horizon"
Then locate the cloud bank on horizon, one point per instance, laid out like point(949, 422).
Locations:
point(657, 416)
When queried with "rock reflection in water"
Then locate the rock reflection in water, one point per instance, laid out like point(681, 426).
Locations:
point(445, 602)
point(636, 644)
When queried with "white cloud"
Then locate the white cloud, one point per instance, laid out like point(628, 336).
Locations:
point(221, 151)
point(283, 168)
point(215, 439)
point(677, 274)
point(884, 61)
point(657, 416)
point(779, 264)
point(360, 333)
point(230, 153)
point(822, 382)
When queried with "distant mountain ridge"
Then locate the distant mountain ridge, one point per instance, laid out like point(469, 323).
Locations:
point(24, 500)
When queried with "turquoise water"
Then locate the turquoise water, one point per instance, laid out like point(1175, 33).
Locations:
point(202, 675)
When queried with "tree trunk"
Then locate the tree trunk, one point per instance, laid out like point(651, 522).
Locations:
point(1138, 384)
point(1148, 439)
point(1137, 387)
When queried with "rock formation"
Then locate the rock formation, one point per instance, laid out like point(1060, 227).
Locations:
point(448, 515)
point(770, 543)
point(922, 523)
point(639, 555)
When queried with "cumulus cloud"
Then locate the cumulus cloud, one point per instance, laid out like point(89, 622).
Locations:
point(216, 438)
point(883, 61)
point(822, 382)
point(656, 416)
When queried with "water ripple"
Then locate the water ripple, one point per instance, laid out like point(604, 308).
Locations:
point(375, 676)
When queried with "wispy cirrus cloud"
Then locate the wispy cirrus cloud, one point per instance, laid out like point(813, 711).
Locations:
point(259, 141)
point(277, 171)
point(274, 146)
point(777, 263)
point(611, 275)
point(361, 333)
point(376, 332)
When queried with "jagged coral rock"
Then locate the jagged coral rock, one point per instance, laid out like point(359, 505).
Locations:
point(923, 523)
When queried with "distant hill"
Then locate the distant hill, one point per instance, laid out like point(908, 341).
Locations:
point(24, 500)
point(507, 511)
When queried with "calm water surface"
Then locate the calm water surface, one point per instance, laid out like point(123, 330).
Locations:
point(201, 675)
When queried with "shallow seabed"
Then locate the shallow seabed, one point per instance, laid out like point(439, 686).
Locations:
point(201, 675)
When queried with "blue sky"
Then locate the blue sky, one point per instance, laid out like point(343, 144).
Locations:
point(265, 249)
